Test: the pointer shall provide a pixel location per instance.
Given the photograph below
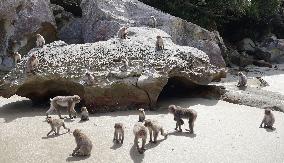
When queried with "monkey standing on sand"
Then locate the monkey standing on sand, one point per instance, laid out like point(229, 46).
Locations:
point(141, 115)
point(56, 124)
point(140, 132)
point(118, 135)
point(268, 119)
point(242, 80)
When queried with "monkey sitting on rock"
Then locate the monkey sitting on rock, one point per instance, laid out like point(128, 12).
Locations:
point(32, 64)
point(123, 32)
point(242, 80)
point(40, 41)
point(160, 43)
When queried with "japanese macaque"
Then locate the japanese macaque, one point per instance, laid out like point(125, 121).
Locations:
point(59, 102)
point(141, 115)
point(84, 144)
point(140, 132)
point(32, 64)
point(84, 114)
point(125, 65)
point(56, 124)
point(118, 135)
point(39, 40)
point(179, 123)
point(154, 128)
point(122, 33)
point(268, 119)
point(263, 83)
point(17, 57)
point(160, 43)
point(153, 22)
point(242, 80)
point(180, 113)
point(89, 79)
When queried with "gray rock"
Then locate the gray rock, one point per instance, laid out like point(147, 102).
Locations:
point(20, 20)
point(246, 45)
point(274, 47)
point(63, 66)
point(102, 20)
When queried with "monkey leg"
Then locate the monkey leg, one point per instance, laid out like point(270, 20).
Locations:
point(163, 133)
point(122, 137)
point(65, 127)
point(143, 144)
point(58, 129)
point(136, 142)
point(72, 112)
point(50, 110)
point(114, 136)
point(150, 132)
point(49, 132)
point(155, 136)
point(191, 125)
point(75, 150)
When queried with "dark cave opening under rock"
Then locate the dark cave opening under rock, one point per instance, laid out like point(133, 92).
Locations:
point(40, 92)
point(72, 6)
point(179, 87)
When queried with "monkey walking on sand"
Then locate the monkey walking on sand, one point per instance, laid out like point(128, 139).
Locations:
point(118, 135)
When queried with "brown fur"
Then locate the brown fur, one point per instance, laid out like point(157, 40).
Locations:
point(154, 128)
point(84, 144)
point(56, 124)
point(118, 135)
point(140, 132)
point(180, 113)
point(160, 43)
point(268, 119)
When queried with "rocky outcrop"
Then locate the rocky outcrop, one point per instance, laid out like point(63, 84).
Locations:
point(20, 20)
point(102, 19)
point(118, 85)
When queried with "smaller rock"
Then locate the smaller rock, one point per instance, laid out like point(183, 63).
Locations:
point(246, 45)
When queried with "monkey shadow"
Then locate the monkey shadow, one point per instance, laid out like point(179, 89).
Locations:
point(135, 155)
point(69, 120)
point(76, 158)
point(83, 121)
point(116, 145)
point(153, 145)
point(54, 136)
point(19, 109)
point(270, 129)
point(186, 134)
point(243, 88)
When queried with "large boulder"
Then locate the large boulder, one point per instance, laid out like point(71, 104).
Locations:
point(20, 20)
point(102, 20)
point(274, 48)
point(63, 66)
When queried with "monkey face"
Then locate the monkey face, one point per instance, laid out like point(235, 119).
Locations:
point(141, 110)
point(76, 132)
point(148, 123)
point(49, 120)
point(76, 99)
point(172, 109)
point(117, 126)
point(267, 112)
point(83, 109)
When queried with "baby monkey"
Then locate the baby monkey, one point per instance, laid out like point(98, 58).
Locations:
point(154, 128)
point(56, 124)
point(268, 119)
point(160, 43)
point(141, 115)
point(118, 132)
point(84, 114)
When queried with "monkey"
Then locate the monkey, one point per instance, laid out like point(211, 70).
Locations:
point(122, 33)
point(179, 123)
point(17, 57)
point(68, 102)
point(84, 114)
point(32, 64)
point(118, 135)
point(153, 22)
point(160, 43)
point(154, 128)
point(84, 144)
point(263, 83)
point(242, 80)
point(56, 124)
point(140, 132)
point(89, 79)
point(141, 115)
point(40, 41)
point(125, 65)
point(268, 119)
point(180, 113)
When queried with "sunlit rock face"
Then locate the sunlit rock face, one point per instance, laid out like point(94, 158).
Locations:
point(118, 85)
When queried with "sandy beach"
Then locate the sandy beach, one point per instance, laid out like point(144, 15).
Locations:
point(224, 132)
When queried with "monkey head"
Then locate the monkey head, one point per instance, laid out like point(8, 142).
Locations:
point(267, 112)
point(38, 35)
point(148, 123)
point(49, 120)
point(76, 132)
point(172, 109)
point(76, 98)
point(141, 110)
point(83, 109)
point(117, 126)
point(159, 37)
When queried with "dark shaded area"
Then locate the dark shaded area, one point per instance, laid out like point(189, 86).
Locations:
point(182, 88)
point(72, 6)
point(2, 35)
point(40, 91)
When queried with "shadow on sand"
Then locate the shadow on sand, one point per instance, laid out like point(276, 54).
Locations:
point(76, 158)
point(186, 134)
point(54, 136)
point(135, 155)
point(116, 145)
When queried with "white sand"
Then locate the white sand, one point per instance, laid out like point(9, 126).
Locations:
point(224, 133)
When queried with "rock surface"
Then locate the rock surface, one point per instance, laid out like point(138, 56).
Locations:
point(62, 67)
point(102, 20)
point(20, 20)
